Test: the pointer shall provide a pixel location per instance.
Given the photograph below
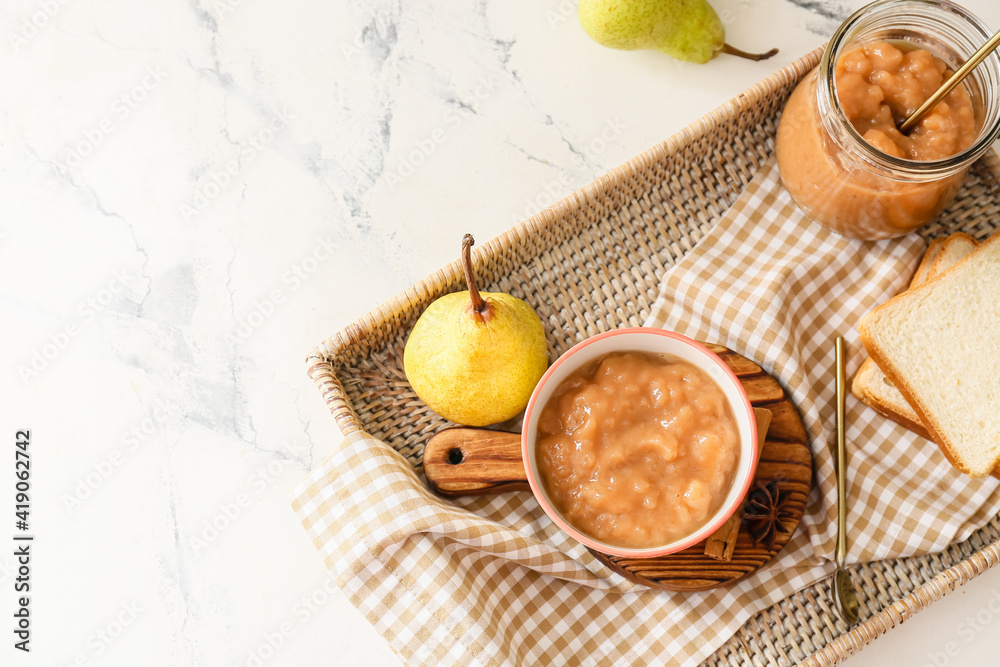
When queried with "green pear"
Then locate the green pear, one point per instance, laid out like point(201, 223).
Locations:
point(688, 30)
point(475, 357)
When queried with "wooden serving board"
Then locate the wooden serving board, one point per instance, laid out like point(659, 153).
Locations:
point(464, 461)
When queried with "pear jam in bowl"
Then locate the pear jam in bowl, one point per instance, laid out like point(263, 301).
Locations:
point(839, 152)
point(641, 447)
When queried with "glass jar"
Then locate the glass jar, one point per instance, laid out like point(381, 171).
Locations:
point(846, 184)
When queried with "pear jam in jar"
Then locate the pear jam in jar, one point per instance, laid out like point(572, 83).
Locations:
point(637, 449)
point(839, 152)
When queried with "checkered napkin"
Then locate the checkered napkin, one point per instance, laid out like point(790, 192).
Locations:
point(490, 580)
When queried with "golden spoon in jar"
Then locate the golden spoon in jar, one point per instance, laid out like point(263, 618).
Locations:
point(949, 85)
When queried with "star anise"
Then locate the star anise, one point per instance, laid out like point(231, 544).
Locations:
point(764, 512)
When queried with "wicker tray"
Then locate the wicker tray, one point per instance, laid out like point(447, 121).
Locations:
point(591, 263)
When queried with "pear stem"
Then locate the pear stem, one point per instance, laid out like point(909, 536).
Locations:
point(478, 303)
point(733, 51)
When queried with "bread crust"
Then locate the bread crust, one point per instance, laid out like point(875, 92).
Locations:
point(918, 428)
point(904, 389)
point(873, 402)
point(871, 345)
point(869, 374)
point(924, 267)
point(938, 266)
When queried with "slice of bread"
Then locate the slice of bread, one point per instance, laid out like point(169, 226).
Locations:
point(938, 345)
point(954, 248)
point(924, 268)
point(870, 385)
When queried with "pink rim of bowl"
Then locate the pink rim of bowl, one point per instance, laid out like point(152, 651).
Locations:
point(658, 341)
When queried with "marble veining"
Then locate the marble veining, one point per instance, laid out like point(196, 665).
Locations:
point(197, 193)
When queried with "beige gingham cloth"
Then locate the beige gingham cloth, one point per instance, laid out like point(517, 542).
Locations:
point(491, 581)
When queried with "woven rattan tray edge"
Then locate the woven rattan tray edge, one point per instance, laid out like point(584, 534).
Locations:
point(323, 360)
point(905, 608)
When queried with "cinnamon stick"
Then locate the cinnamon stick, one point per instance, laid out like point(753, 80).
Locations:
point(721, 544)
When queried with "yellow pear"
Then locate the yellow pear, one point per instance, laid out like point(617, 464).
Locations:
point(475, 357)
point(688, 30)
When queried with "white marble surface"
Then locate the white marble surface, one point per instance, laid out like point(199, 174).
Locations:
point(196, 193)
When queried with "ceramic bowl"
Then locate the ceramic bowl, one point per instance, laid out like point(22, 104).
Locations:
point(656, 341)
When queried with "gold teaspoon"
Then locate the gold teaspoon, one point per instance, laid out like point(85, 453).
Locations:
point(843, 590)
point(949, 85)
